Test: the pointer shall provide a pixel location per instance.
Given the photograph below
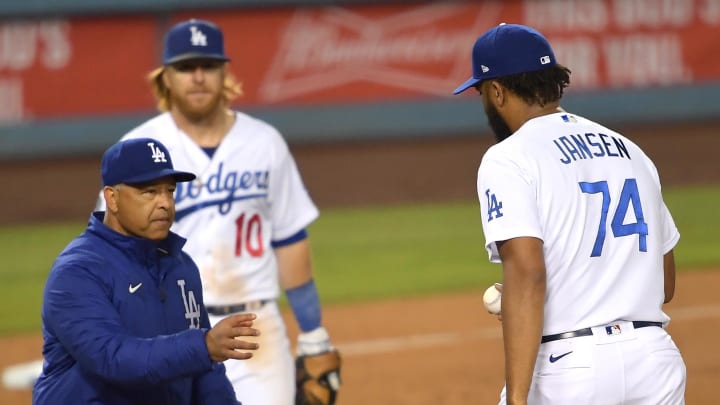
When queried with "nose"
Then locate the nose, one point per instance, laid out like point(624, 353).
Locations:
point(166, 199)
point(199, 74)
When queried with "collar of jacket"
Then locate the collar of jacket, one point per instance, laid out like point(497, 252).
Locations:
point(172, 245)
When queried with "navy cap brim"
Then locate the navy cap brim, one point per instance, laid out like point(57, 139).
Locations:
point(148, 177)
point(195, 55)
point(471, 82)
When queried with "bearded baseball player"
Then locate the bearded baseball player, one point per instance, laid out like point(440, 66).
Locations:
point(574, 212)
point(245, 218)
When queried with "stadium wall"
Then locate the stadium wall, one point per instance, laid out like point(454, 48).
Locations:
point(72, 72)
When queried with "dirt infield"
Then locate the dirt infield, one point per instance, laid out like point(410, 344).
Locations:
point(435, 350)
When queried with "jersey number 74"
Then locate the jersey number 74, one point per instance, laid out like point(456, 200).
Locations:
point(629, 194)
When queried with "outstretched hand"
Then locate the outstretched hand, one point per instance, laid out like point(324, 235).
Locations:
point(222, 340)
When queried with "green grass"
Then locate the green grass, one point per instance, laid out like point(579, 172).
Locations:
point(28, 253)
point(696, 211)
point(361, 253)
point(399, 251)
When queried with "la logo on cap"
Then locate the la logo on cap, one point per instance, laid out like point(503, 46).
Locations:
point(157, 154)
point(197, 38)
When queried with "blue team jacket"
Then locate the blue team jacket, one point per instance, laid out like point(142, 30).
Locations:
point(123, 323)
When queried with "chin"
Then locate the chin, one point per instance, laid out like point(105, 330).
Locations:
point(158, 234)
point(202, 105)
point(197, 110)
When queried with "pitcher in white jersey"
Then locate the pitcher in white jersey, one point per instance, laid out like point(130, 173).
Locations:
point(574, 212)
point(245, 217)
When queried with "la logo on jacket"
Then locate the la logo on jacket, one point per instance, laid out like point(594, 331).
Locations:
point(192, 309)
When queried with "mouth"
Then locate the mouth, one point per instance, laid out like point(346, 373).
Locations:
point(198, 92)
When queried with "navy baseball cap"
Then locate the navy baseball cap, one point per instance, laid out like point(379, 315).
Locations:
point(506, 50)
point(138, 161)
point(194, 39)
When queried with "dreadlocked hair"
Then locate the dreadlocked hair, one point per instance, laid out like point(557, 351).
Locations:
point(232, 88)
point(539, 87)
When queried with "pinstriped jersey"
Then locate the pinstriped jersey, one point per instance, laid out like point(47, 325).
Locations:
point(247, 195)
point(594, 199)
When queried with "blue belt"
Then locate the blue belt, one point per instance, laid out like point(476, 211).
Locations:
point(218, 310)
point(588, 331)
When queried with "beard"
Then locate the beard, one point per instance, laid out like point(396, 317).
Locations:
point(497, 123)
point(197, 111)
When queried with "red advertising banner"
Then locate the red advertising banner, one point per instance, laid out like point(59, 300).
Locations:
point(62, 68)
point(359, 54)
point(326, 55)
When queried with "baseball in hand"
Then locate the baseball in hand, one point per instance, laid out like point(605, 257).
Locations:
point(491, 299)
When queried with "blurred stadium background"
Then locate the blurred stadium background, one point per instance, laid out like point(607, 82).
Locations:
point(71, 71)
point(327, 72)
point(360, 89)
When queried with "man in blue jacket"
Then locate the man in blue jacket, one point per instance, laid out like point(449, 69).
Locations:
point(123, 315)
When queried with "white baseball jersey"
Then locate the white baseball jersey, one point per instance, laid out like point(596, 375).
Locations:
point(247, 195)
point(594, 199)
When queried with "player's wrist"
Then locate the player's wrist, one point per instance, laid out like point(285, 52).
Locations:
point(305, 303)
point(314, 342)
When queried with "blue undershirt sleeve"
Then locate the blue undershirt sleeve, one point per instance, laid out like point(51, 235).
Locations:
point(302, 234)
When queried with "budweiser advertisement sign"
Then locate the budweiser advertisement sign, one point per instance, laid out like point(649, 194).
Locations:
point(322, 53)
point(326, 55)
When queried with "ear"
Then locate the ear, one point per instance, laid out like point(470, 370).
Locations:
point(164, 78)
point(111, 197)
point(497, 93)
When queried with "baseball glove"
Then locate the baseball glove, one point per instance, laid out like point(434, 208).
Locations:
point(317, 378)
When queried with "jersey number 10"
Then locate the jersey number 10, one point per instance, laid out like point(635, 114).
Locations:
point(248, 236)
point(628, 194)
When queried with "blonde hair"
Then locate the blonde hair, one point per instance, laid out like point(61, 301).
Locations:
point(232, 88)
